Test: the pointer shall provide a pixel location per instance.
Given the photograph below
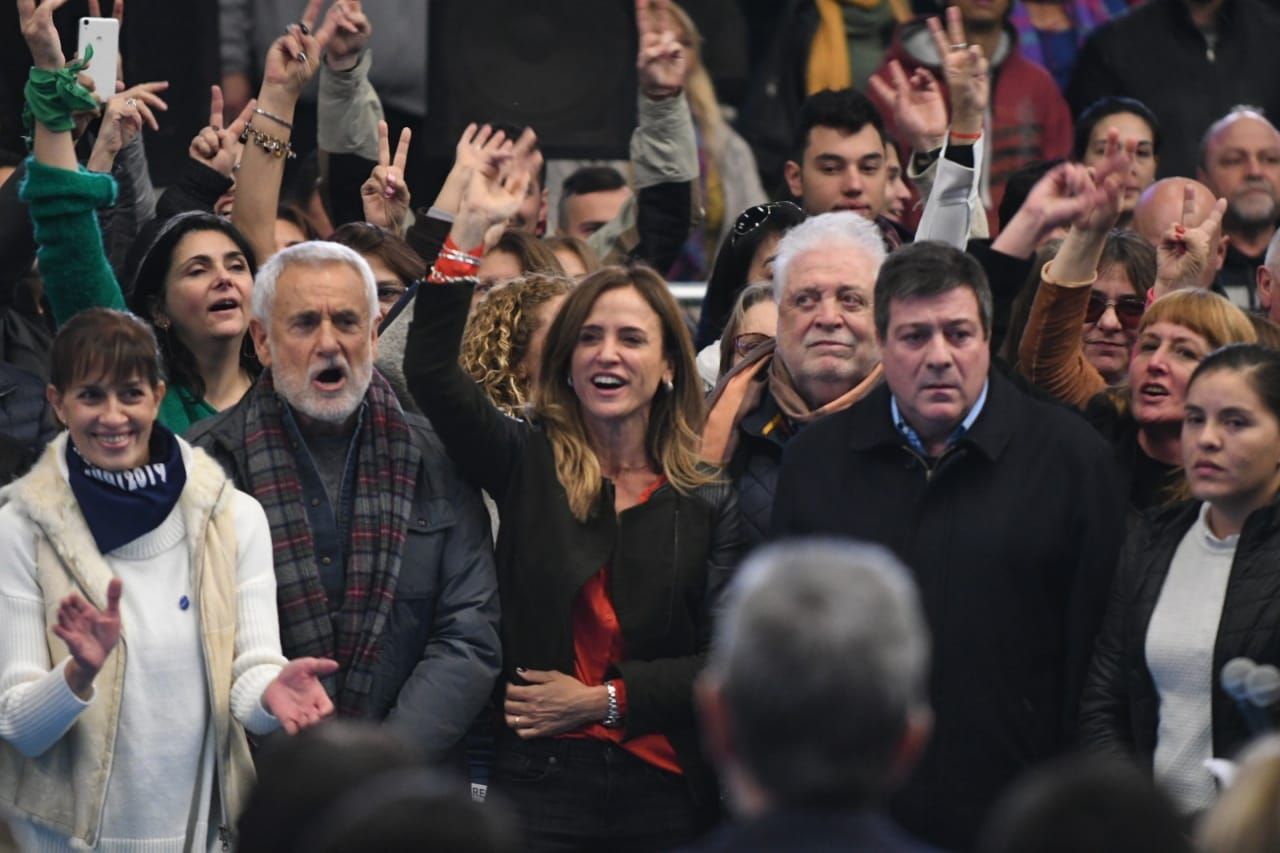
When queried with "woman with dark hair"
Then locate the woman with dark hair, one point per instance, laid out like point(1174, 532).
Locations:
point(514, 254)
point(122, 528)
point(1133, 120)
point(193, 285)
point(1198, 585)
point(745, 257)
point(615, 544)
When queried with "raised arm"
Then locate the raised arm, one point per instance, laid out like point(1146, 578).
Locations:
point(1051, 353)
point(483, 443)
point(290, 63)
point(61, 196)
point(654, 225)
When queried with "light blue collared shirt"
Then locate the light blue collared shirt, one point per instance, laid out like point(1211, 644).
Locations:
point(913, 437)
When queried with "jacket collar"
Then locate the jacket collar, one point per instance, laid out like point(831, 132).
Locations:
point(45, 496)
point(871, 424)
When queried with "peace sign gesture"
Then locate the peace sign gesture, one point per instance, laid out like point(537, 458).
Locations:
point(965, 70)
point(1186, 248)
point(919, 111)
point(385, 194)
point(662, 60)
point(218, 147)
point(293, 58)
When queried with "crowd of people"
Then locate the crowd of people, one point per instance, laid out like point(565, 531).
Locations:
point(950, 519)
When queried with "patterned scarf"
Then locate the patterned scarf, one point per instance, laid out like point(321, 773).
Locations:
point(120, 506)
point(386, 466)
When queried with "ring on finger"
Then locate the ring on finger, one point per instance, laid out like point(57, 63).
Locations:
point(517, 721)
point(306, 31)
point(302, 57)
point(130, 102)
point(960, 46)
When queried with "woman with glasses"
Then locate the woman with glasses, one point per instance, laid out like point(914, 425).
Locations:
point(1138, 402)
point(1074, 355)
point(745, 257)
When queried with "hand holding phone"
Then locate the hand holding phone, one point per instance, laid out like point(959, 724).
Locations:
point(104, 35)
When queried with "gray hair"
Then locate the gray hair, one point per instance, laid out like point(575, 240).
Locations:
point(822, 656)
point(840, 229)
point(313, 253)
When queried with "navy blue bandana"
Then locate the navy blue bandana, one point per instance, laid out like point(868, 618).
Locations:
point(120, 506)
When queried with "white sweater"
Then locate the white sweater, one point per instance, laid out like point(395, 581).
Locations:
point(163, 766)
point(1180, 641)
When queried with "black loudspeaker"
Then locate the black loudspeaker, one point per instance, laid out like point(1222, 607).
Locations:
point(567, 68)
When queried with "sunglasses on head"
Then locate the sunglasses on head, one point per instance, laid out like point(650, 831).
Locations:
point(753, 217)
point(1129, 309)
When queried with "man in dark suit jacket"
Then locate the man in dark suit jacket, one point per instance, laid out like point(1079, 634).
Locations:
point(813, 700)
point(1004, 507)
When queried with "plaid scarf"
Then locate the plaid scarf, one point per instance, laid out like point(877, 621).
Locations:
point(386, 467)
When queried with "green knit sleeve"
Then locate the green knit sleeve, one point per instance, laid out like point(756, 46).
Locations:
point(73, 262)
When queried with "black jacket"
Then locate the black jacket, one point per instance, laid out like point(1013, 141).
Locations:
point(1012, 536)
point(1120, 709)
point(439, 655)
point(1155, 53)
point(669, 558)
point(756, 462)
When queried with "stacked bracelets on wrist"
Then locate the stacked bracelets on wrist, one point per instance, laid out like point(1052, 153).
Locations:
point(272, 145)
point(453, 265)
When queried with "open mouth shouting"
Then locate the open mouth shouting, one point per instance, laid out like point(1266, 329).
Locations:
point(329, 379)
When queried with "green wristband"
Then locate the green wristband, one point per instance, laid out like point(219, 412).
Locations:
point(53, 97)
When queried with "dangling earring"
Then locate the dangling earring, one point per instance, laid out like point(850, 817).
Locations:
point(668, 385)
point(568, 379)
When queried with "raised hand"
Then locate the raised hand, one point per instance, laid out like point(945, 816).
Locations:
point(495, 189)
point(293, 58)
point(218, 147)
point(662, 61)
point(90, 634)
point(919, 110)
point(1186, 249)
point(41, 35)
point(122, 120)
point(351, 30)
point(1108, 179)
point(964, 69)
point(385, 194)
point(296, 697)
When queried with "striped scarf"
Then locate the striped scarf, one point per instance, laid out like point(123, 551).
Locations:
point(386, 466)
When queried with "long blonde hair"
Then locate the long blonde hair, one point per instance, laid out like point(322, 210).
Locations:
point(672, 440)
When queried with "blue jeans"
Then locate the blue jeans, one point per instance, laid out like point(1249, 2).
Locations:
point(591, 795)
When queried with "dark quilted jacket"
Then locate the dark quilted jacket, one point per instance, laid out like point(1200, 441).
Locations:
point(756, 461)
point(1120, 707)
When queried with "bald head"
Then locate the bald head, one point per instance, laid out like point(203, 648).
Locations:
point(1161, 205)
point(1240, 161)
point(1165, 203)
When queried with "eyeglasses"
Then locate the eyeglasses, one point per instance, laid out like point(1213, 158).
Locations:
point(753, 217)
point(747, 341)
point(1129, 309)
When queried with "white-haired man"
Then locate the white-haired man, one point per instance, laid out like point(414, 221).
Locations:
point(814, 701)
point(824, 358)
point(382, 556)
